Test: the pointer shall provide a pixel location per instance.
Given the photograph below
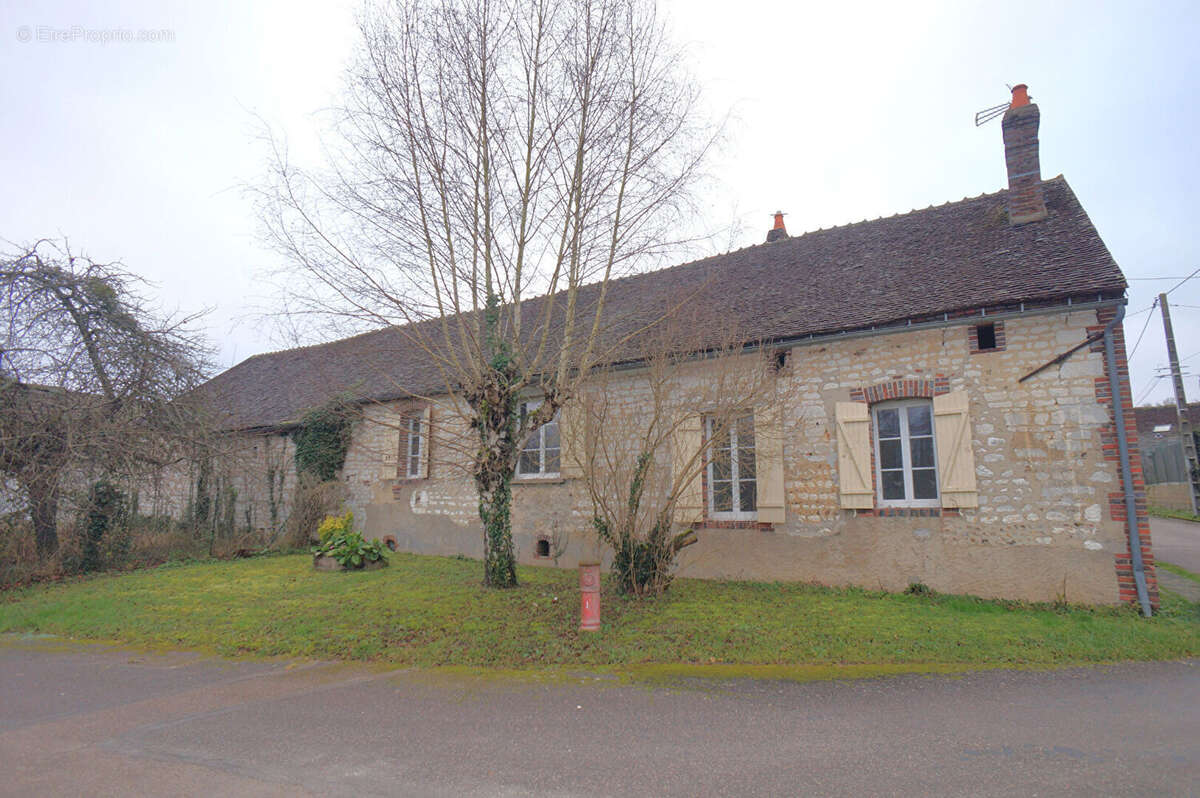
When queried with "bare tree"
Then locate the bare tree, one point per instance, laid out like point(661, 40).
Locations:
point(90, 376)
point(495, 165)
point(647, 434)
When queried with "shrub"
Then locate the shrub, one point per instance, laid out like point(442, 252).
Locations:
point(642, 562)
point(349, 548)
point(314, 501)
point(105, 511)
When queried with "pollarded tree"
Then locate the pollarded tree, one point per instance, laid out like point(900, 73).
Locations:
point(91, 377)
point(495, 164)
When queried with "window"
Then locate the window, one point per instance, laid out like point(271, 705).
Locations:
point(411, 463)
point(731, 468)
point(905, 456)
point(985, 335)
point(543, 450)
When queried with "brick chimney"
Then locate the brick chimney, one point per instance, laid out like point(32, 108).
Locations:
point(1026, 200)
point(778, 231)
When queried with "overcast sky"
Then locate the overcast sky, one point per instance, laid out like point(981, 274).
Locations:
point(137, 148)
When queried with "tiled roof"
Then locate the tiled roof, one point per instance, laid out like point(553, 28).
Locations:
point(944, 259)
point(1152, 416)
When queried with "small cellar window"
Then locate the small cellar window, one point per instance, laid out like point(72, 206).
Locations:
point(985, 335)
point(543, 547)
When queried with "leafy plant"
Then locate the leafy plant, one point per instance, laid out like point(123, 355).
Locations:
point(335, 525)
point(348, 547)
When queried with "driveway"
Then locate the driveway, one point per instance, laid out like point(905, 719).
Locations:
point(1176, 542)
point(85, 720)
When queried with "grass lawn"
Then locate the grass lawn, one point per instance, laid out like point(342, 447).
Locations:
point(1178, 571)
point(432, 611)
point(1163, 512)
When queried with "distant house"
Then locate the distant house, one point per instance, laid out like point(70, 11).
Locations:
point(944, 411)
point(1163, 460)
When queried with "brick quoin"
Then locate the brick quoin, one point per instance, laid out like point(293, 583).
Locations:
point(1117, 511)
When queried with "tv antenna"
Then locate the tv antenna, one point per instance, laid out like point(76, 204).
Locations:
point(988, 114)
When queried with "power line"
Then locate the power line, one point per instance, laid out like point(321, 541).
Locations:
point(1152, 307)
point(1143, 332)
point(1149, 387)
point(1185, 279)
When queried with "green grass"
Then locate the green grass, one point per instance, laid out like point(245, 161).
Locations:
point(1178, 571)
point(432, 611)
point(1163, 512)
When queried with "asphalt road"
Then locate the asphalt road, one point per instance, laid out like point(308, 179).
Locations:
point(1176, 542)
point(87, 721)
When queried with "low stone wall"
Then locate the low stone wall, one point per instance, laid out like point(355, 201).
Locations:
point(1170, 496)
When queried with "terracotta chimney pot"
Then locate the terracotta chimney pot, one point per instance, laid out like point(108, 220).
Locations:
point(778, 231)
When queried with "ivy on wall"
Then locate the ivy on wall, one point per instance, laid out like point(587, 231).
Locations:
point(323, 438)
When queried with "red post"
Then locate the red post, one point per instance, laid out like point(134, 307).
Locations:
point(589, 589)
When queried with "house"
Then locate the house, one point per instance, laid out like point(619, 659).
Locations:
point(1163, 459)
point(944, 410)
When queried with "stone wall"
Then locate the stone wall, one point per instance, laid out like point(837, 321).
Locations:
point(1050, 517)
point(242, 465)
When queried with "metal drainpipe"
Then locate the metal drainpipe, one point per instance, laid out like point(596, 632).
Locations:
point(1131, 519)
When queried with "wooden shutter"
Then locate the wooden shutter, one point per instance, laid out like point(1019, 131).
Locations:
point(390, 468)
point(856, 484)
point(426, 440)
point(571, 439)
point(768, 450)
point(956, 460)
point(688, 438)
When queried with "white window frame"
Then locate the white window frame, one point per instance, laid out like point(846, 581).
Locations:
point(414, 426)
point(906, 454)
point(539, 435)
point(736, 514)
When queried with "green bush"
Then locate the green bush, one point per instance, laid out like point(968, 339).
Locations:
point(106, 511)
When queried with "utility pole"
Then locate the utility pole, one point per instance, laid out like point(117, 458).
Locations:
point(1186, 439)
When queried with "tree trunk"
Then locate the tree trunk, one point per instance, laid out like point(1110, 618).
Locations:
point(495, 510)
point(43, 509)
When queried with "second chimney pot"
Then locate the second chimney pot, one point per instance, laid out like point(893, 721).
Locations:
point(778, 231)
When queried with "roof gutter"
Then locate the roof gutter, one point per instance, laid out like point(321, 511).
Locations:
point(813, 339)
point(1131, 518)
point(1068, 306)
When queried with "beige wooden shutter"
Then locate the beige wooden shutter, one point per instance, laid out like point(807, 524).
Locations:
point(956, 461)
point(426, 439)
point(390, 468)
point(571, 437)
point(768, 450)
point(687, 463)
point(856, 485)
